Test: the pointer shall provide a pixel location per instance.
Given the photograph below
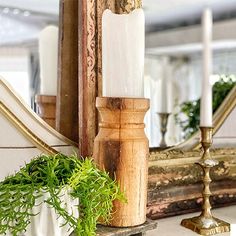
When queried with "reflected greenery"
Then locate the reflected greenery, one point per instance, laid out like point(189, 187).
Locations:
point(189, 116)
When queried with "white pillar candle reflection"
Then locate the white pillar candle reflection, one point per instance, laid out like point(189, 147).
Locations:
point(123, 54)
point(206, 98)
point(48, 56)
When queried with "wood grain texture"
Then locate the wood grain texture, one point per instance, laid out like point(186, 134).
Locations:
point(121, 148)
point(67, 99)
point(46, 108)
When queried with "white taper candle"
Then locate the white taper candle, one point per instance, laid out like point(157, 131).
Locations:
point(206, 98)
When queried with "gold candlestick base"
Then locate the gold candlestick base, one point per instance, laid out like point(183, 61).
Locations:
point(163, 124)
point(206, 224)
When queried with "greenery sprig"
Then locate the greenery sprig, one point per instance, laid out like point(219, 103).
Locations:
point(191, 109)
point(19, 193)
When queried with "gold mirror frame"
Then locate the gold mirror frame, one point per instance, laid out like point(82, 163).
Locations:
point(22, 127)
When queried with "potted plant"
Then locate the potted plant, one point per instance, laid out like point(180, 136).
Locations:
point(70, 192)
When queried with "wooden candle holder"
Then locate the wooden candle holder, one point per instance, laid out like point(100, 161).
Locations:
point(121, 148)
point(46, 108)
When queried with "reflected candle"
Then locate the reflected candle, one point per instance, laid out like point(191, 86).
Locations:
point(48, 55)
point(206, 98)
point(166, 87)
point(123, 54)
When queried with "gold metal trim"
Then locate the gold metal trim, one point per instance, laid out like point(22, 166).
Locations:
point(31, 113)
point(224, 110)
point(25, 131)
point(179, 157)
point(127, 6)
point(118, 6)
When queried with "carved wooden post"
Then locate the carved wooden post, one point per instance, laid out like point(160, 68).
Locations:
point(88, 75)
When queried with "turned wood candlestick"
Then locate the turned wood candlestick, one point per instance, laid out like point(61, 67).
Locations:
point(46, 108)
point(121, 148)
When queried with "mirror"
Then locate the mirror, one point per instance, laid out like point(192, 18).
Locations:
point(173, 63)
point(173, 53)
point(21, 25)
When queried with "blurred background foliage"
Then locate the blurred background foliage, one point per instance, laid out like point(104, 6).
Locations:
point(191, 110)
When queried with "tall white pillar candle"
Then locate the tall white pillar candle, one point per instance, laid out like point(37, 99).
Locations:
point(48, 56)
point(206, 98)
point(123, 54)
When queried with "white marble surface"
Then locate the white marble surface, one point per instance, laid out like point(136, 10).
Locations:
point(171, 226)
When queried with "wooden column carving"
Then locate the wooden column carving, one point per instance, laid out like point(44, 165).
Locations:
point(87, 75)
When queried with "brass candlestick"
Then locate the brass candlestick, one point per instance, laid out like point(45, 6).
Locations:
point(163, 124)
point(206, 224)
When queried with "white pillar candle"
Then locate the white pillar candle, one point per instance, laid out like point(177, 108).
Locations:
point(206, 98)
point(123, 54)
point(48, 57)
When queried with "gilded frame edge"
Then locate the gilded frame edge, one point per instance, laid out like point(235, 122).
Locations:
point(31, 113)
point(39, 143)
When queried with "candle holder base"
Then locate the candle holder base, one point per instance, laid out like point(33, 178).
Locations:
point(163, 124)
point(121, 148)
point(46, 108)
point(206, 226)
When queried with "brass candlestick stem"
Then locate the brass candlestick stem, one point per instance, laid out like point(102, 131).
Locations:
point(206, 224)
point(163, 124)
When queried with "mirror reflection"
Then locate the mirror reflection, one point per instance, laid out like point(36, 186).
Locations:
point(174, 65)
point(28, 33)
point(173, 58)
